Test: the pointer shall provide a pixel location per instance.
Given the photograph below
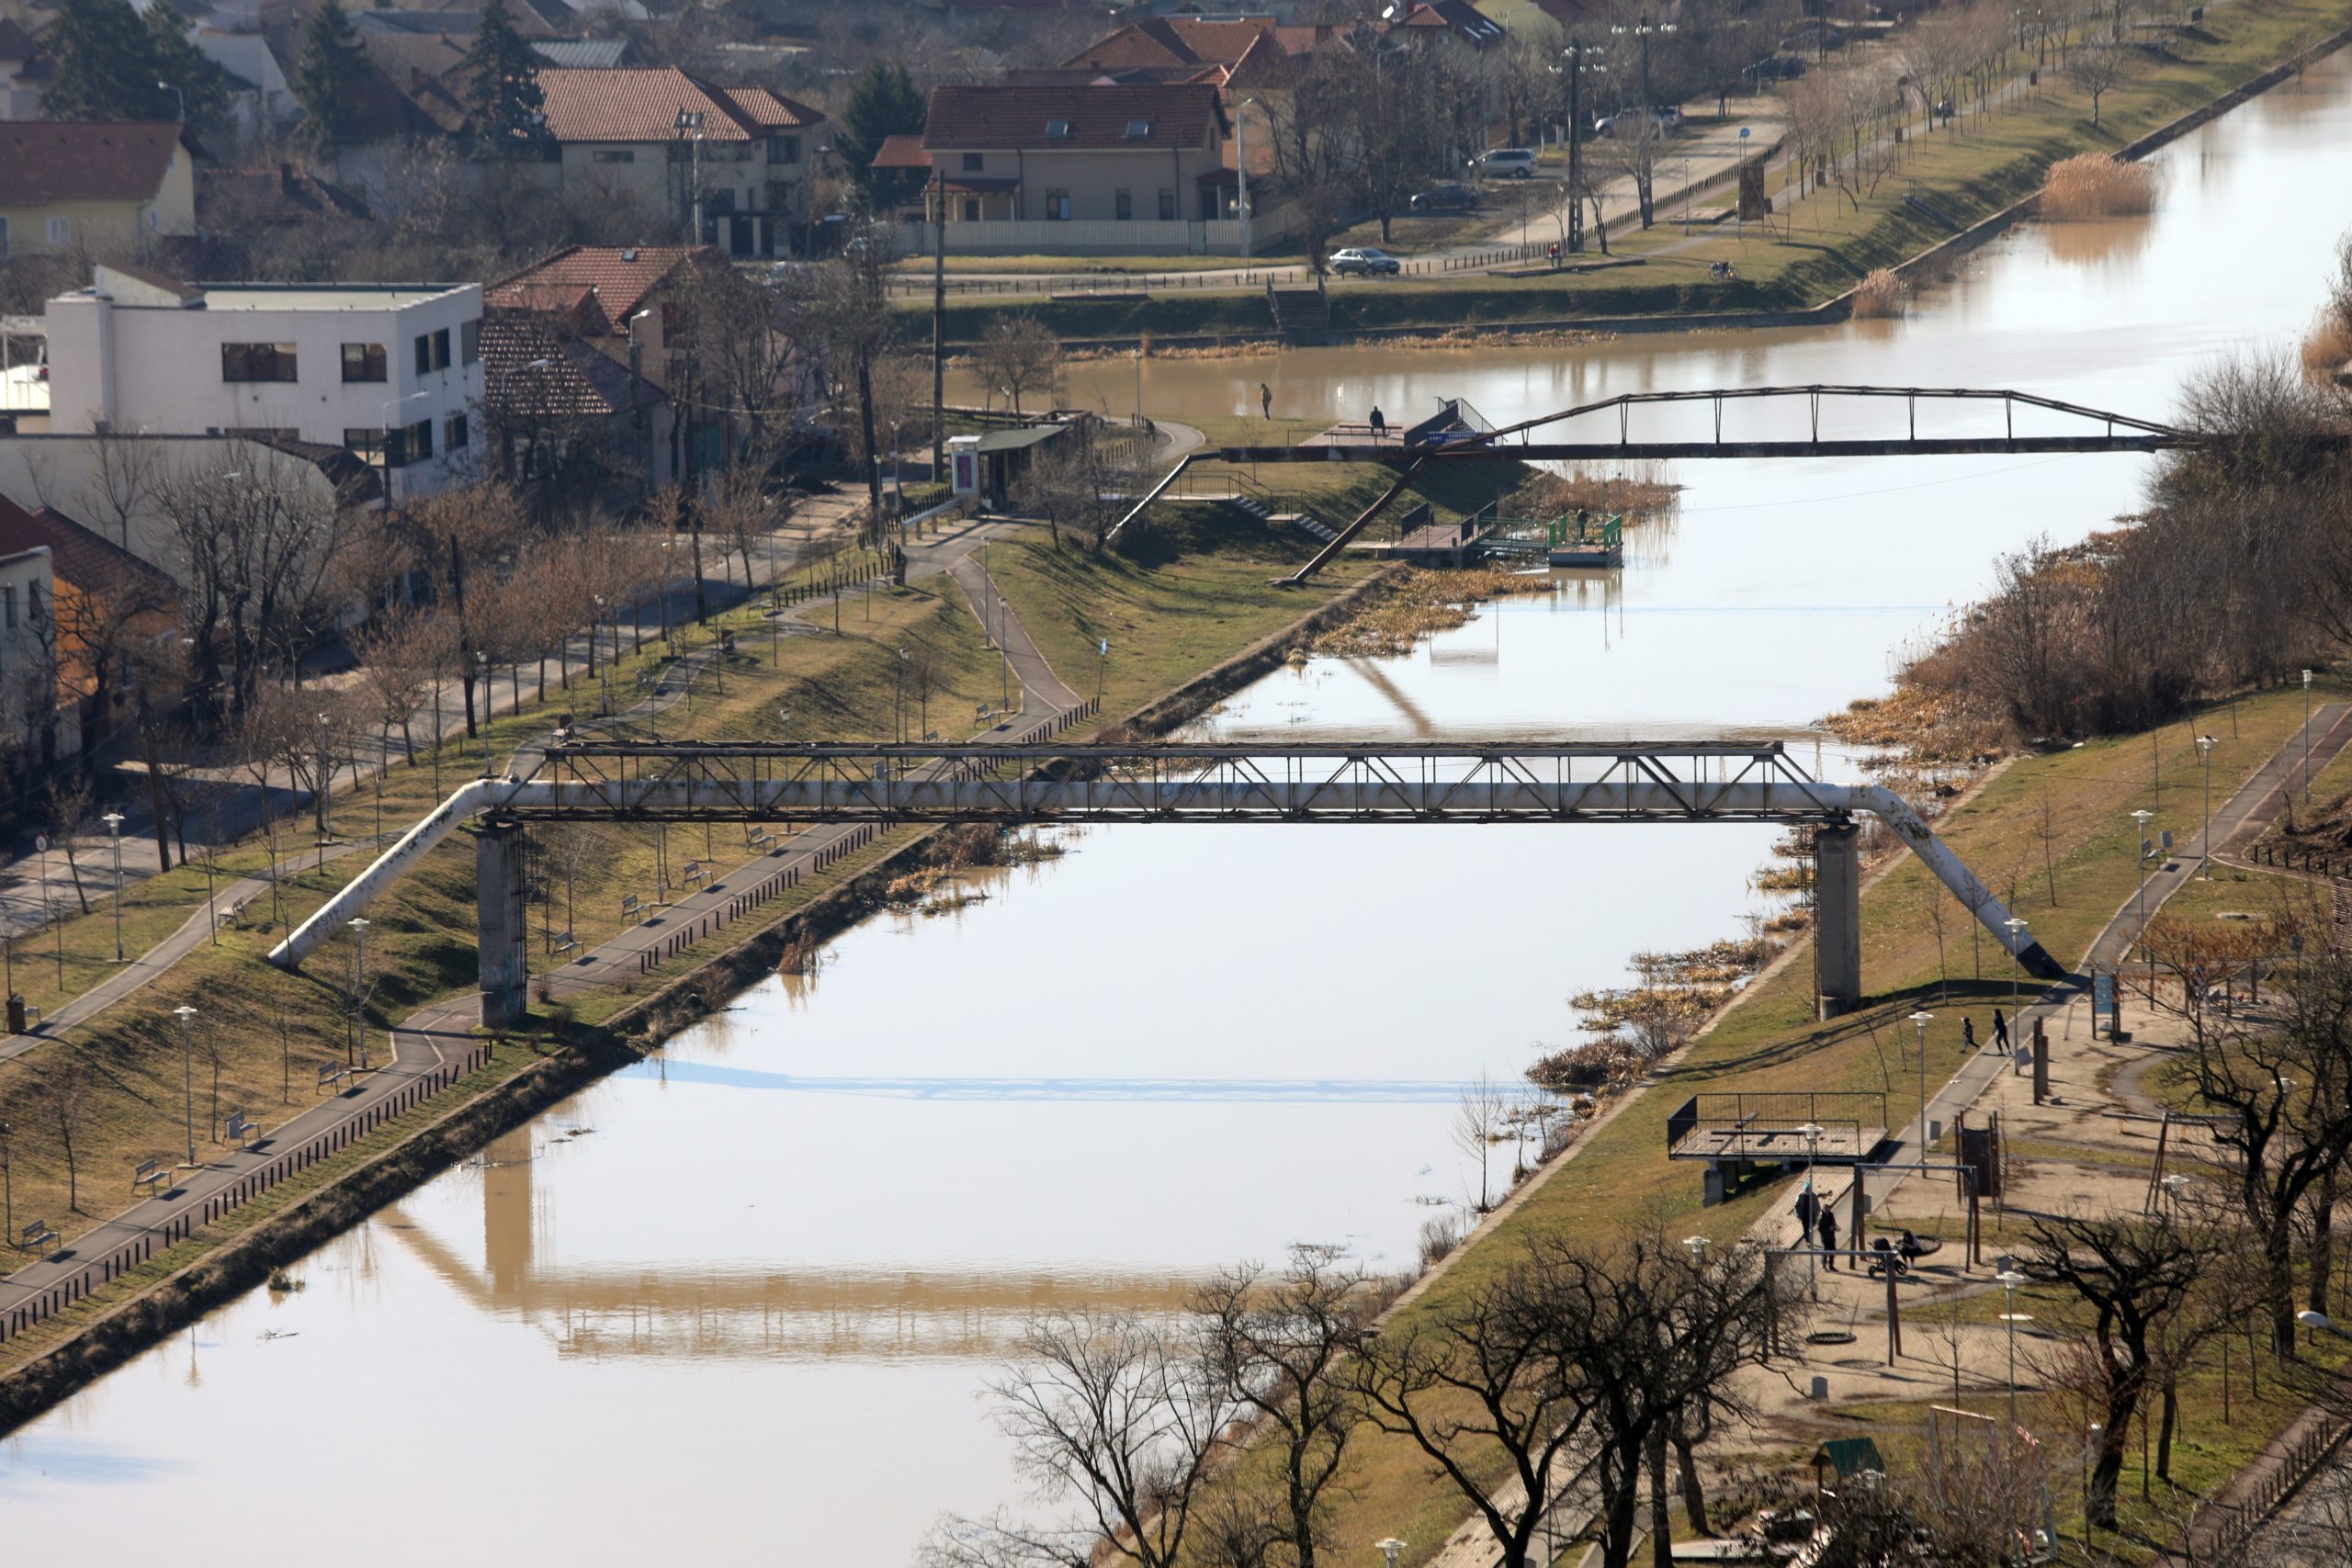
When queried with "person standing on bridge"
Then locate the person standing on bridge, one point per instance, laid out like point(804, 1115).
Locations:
point(1265, 401)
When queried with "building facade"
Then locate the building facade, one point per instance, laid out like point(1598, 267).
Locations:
point(93, 185)
point(393, 373)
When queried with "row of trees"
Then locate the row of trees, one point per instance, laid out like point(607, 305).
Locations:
point(1581, 1363)
point(2239, 572)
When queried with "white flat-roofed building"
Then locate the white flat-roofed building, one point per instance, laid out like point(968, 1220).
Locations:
point(335, 365)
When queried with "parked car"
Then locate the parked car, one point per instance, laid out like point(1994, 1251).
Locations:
point(1780, 68)
point(1453, 196)
point(1668, 115)
point(1364, 261)
point(1506, 163)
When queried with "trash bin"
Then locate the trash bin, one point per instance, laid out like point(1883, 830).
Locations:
point(16, 1014)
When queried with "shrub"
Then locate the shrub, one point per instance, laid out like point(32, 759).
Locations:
point(2092, 185)
point(2327, 347)
point(1440, 1235)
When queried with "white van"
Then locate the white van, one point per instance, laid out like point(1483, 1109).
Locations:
point(1506, 163)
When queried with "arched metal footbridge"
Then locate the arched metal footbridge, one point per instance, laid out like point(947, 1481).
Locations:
point(2029, 423)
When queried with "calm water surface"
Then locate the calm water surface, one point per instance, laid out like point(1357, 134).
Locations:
point(736, 1305)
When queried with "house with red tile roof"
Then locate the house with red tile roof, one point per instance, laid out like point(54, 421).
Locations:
point(676, 147)
point(1100, 167)
point(94, 184)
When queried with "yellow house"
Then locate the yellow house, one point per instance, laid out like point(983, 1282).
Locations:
point(93, 185)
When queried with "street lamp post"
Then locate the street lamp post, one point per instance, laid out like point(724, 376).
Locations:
point(2009, 1279)
point(2205, 744)
point(2307, 737)
point(113, 820)
point(1811, 1132)
point(1919, 1021)
point(2139, 850)
point(1643, 30)
point(2016, 929)
point(1389, 1549)
point(359, 988)
point(187, 1077)
point(326, 780)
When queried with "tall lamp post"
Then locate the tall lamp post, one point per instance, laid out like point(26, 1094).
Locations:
point(2009, 1279)
point(1574, 54)
point(113, 820)
point(2307, 737)
point(1919, 1021)
point(1643, 30)
point(1811, 1132)
point(187, 1077)
point(359, 988)
point(2016, 929)
point(1389, 1549)
point(2205, 744)
point(2139, 850)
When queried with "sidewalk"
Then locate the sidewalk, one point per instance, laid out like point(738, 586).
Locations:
point(436, 1046)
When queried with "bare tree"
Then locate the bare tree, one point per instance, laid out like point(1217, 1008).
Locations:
point(1315, 155)
point(1478, 1120)
point(1281, 1342)
point(65, 1102)
point(1018, 355)
point(843, 306)
point(2098, 69)
point(1121, 1417)
point(256, 547)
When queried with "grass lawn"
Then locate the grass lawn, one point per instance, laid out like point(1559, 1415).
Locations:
point(2050, 836)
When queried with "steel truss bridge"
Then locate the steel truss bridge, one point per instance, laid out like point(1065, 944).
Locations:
point(1500, 781)
point(2077, 429)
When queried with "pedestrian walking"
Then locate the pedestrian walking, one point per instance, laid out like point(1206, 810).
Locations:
point(2000, 1031)
point(1379, 423)
point(1265, 401)
point(1968, 1034)
point(1828, 1231)
point(1808, 1210)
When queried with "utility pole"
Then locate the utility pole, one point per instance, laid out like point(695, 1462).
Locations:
point(939, 327)
point(1575, 54)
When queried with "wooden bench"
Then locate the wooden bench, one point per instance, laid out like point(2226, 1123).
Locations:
point(237, 1129)
point(694, 872)
point(330, 1075)
point(40, 1237)
point(564, 944)
point(153, 1175)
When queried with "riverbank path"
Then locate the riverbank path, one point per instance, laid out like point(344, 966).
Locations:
point(435, 1046)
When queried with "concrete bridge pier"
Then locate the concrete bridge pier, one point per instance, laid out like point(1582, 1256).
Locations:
point(505, 928)
point(1837, 918)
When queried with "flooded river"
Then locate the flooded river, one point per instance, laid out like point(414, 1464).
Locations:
point(736, 1305)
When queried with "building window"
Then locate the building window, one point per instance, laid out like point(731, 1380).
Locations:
point(61, 231)
point(363, 362)
point(971, 209)
point(369, 444)
point(975, 161)
point(257, 362)
point(784, 148)
point(432, 351)
point(453, 432)
point(1058, 207)
point(614, 155)
point(1168, 207)
point(470, 342)
point(8, 606)
point(411, 443)
point(1126, 202)
point(720, 200)
point(3, 237)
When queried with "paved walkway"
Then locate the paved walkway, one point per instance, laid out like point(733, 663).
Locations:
point(2241, 818)
point(435, 1047)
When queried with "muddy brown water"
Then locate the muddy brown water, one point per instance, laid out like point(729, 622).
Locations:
point(738, 1305)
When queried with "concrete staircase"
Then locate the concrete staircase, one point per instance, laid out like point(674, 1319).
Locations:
point(1299, 312)
point(1258, 508)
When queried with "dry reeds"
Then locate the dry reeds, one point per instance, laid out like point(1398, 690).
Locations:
point(1637, 492)
point(2092, 185)
point(2327, 347)
point(1880, 294)
point(1422, 604)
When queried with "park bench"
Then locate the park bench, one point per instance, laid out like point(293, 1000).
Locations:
point(330, 1075)
point(237, 1129)
point(694, 872)
point(755, 838)
point(563, 945)
point(41, 1236)
point(153, 1175)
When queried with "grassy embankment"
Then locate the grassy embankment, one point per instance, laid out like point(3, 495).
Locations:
point(1619, 1174)
point(1968, 174)
point(1178, 614)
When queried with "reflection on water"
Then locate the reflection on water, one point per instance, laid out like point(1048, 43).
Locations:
point(735, 1304)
